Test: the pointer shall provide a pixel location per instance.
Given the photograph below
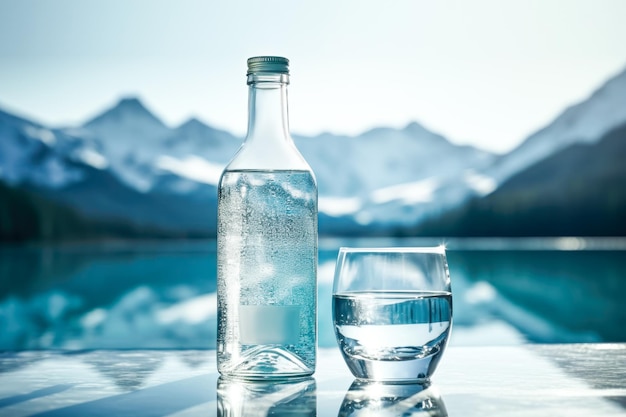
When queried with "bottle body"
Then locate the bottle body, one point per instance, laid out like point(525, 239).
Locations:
point(267, 258)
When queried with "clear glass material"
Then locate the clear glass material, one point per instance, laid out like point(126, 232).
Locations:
point(267, 246)
point(366, 398)
point(289, 397)
point(392, 311)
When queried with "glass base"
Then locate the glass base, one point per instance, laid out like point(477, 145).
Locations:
point(418, 370)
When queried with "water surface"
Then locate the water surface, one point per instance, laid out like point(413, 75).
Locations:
point(162, 294)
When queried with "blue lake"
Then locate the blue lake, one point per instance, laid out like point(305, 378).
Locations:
point(162, 294)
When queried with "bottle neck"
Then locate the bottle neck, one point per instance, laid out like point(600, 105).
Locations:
point(268, 145)
point(268, 116)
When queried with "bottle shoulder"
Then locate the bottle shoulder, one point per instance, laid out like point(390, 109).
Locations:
point(277, 155)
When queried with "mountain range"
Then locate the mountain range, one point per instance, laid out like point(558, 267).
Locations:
point(580, 189)
point(126, 170)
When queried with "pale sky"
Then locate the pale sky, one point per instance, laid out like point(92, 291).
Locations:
point(486, 73)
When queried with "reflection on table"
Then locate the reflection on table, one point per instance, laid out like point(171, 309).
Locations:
point(238, 398)
point(530, 380)
point(391, 400)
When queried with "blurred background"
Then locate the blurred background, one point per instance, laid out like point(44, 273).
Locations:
point(498, 129)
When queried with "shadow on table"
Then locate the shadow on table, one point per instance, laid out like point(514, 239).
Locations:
point(591, 364)
point(43, 392)
point(389, 399)
point(155, 401)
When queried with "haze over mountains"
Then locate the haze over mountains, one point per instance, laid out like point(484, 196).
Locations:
point(125, 166)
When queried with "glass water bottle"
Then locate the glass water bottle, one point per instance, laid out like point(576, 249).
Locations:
point(267, 241)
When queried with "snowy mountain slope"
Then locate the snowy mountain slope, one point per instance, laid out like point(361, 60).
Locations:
point(585, 122)
point(392, 175)
point(578, 191)
point(141, 148)
point(197, 153)
point(127, 127)
point(384, 157)
point(101, 195)
point(32, 153)
point(196, 138)
point(129, 135)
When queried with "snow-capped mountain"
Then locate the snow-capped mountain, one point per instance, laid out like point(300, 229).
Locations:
point(585, 122)
point(380, 175)
point(197, 152)
point(196, 138)
point(129, 136)
point(392, 175)
point(385, 157)
point(72, 167)
point(128, 127)
point(127, 164)
point(578, 191)
point(143, 151)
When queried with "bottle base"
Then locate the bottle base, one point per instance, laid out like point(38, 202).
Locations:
point(265, 363)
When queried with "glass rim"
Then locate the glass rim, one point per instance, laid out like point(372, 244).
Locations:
point(441, 249)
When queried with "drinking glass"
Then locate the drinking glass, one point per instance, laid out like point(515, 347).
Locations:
point(392, 311)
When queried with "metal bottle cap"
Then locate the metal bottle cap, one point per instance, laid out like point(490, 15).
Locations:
point(272, 64)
